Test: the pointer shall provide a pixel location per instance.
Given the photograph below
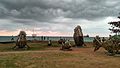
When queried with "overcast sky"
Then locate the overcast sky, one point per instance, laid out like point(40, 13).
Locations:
point(57, 17)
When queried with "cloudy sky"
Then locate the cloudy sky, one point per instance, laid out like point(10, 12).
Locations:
point(57, 17)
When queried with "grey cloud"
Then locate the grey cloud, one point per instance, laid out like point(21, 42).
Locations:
point(9, 27)
point(45, 10)
point(25, 21)
point(44, 14)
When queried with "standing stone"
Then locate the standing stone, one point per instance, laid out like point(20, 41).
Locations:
point(78, 36)
point(21, 41)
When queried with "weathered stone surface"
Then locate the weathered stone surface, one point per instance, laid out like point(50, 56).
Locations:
point(21, 41)
point(78, 36)
point(111, 45)
point(65, 44)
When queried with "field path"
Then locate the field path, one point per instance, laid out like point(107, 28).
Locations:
point(80, 57)
point(51, 49)
point(12, 52)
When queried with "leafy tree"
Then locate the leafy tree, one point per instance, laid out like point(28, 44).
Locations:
point(115, 26)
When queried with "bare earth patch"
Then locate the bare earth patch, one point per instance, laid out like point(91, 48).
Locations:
point(52, 57)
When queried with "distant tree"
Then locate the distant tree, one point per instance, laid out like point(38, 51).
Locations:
point(115, 28)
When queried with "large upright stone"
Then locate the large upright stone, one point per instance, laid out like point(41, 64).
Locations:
point(78, 36)
point(21, 41)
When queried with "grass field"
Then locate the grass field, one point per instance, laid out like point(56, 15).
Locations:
point(42, 56)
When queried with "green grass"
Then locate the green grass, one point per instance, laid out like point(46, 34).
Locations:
point(33, 46)
point(41, 56)
point(57, 59)
point(33, 60)
point(6, 47)
point(37, 46)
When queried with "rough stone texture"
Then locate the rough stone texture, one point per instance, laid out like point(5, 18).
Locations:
point(21, 41)
point(66, 45)
point(111, 45)
point(78, 36)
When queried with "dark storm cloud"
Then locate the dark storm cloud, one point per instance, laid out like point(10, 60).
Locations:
point(44, 10)
point(54, 15)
